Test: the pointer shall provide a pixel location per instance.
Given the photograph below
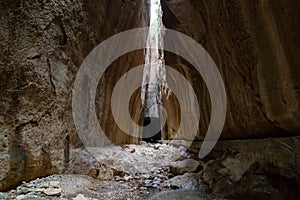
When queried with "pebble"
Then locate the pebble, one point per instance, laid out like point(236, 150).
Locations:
point(143, 188)
point(157, 179)
point(145, 176)
point(39, 190)
point(142, 142)
point(23, 191)
point(2, 196)
point(80, 197)
point(21, 197)
point(117, 178)
point(131, 150)
point(53, 191)
point(43, 185)
point(126, 178)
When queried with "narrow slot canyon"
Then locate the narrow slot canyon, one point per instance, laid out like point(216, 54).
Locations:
point(124, 99)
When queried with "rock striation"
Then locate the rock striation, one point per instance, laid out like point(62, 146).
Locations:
point(255, 45)
point(42, 44)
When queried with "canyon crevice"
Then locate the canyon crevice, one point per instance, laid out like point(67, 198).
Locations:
point(255, 45)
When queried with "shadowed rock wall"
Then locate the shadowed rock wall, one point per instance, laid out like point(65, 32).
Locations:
point(255, 45)
point(42, 44)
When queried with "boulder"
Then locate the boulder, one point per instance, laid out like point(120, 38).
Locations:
point(181, 167)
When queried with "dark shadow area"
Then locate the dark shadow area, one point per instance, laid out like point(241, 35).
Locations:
point(148, 135)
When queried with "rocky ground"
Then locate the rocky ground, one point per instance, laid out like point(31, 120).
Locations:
point(130, 172)
point(164, 171)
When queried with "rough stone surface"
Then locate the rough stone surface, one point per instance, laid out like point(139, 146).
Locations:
point(249, 169)
point(145, 158)
point(42, 44)
point(231, 171)
point(255, 45)
point(186, 181)
point(52, 191)
point(181, 167)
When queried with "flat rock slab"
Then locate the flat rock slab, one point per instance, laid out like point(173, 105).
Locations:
point(186, 181)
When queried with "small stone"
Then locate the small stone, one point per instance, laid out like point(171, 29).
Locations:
point(30, 185)
point(148, 183)
point(143, 188)
point(3, 195)
point(145, 176)
point(80, 197)
point(126, 178)
point(44, 185)
point(131, 150)
point(181, 167)
point(21, 197)
point(23, 191)
point(162, 176)
point(39, 190)
point(156, 147)
point(53, 191)
point(142, 142)
point(36, 194)
point(55, 184)
point(186, 181)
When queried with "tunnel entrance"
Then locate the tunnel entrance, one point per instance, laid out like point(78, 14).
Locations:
point(148, 135)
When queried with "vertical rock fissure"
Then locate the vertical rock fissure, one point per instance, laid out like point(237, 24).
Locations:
point(154, 75)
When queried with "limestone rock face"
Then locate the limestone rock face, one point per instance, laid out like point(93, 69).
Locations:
point(255, 45)
point(248, 169)
point(42, 44)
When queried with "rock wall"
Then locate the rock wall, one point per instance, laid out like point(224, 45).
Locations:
point(255, 45)
point(256, 168)
point(42, 44)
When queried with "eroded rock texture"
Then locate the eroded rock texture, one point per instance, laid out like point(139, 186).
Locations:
point(249, 169)
point(255, 45)
point(42, 44)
